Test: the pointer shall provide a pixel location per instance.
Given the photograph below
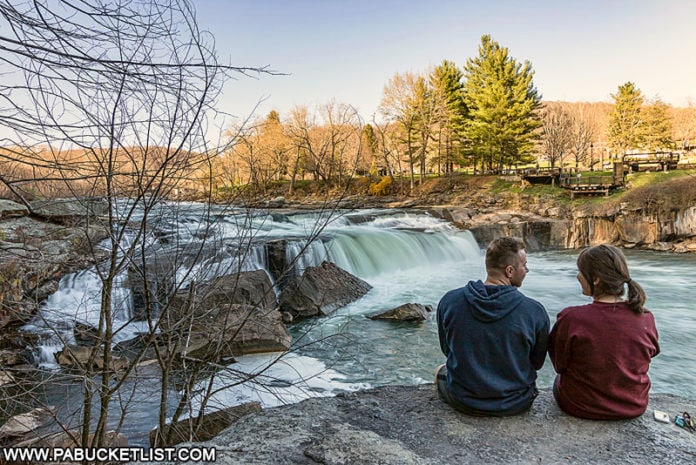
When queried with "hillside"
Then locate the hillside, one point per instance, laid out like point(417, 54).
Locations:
point(671, 190)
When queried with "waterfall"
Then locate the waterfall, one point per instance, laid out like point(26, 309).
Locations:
point(376, 252)
point(373, 245)
point(384, 245)
point(78, 299)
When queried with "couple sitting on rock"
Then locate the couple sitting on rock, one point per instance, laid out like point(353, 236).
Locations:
point(495, 339)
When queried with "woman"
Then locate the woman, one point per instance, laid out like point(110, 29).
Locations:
point(602, 351)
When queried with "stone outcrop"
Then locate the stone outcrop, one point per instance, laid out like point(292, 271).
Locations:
point(252, 288)
point(201, 428)
point(632, 227)
point(661, 216)
point(405, 312)
point(321, 290)
point(34, 255)
point(20, 425)
point(277, 262)
point(82, 358)
point(575, 228)
point(230, 316)
point(399, 425)
point(231, 330)
point(69, 212)
point(538, 233)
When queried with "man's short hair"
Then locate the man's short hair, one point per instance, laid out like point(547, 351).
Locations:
point(502, 252)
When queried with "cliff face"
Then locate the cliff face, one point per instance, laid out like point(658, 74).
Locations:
point(660, 216)
point(573, 228)
point(632, 227)
point(411, 426)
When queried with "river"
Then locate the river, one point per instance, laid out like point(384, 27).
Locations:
point(406, 257)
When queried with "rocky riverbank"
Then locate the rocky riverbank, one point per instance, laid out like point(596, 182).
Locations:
point(398, 425)
point(35, 252)
point(660, 217)
point(38, 248)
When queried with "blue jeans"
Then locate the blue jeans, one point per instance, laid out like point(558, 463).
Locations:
point(446, 397)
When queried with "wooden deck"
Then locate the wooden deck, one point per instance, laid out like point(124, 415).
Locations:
point(591, 189)
point(590, 185)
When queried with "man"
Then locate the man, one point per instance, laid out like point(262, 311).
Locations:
point(494, 338)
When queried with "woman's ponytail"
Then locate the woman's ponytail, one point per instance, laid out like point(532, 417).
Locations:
point(636, 296)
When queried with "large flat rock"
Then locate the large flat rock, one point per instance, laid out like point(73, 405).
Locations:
point(410, 425)
point(10, 209)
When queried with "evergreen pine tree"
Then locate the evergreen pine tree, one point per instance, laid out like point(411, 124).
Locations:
point(626, 123)
point(657, 130)
point(450, 113)
point(503, 106)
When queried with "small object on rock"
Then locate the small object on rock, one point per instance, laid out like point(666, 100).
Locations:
point(662, 417)
point(685, 421)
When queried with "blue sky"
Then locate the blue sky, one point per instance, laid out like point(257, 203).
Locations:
point(348, 50)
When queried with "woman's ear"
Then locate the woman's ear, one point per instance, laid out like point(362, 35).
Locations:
point(596, 281)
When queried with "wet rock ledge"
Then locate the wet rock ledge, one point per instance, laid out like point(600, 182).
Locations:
point(410, 426)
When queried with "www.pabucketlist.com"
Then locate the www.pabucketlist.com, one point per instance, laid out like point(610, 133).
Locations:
point(107, 454)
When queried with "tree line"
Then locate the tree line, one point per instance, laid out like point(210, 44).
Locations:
point(585, 133)
point(487, 115)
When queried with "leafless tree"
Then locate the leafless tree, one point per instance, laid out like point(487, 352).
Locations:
point(326, 144)
point(399, 105)
point(117, 100)
point(582, 134)
point(388, 147)
point(557, 125)
point(684, 126)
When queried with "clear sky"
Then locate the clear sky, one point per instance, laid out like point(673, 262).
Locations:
point(348, 50)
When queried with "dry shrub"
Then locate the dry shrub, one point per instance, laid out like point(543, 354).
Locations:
point(675, 194)
point(381, 188)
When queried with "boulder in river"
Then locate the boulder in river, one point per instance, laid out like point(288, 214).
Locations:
point(321, 290)
point(78, 357)
point(231, 330)
point(24, 423)
point(252, 288)
point(405, 312)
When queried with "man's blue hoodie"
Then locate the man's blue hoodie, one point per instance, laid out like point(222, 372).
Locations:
point(495, 339)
